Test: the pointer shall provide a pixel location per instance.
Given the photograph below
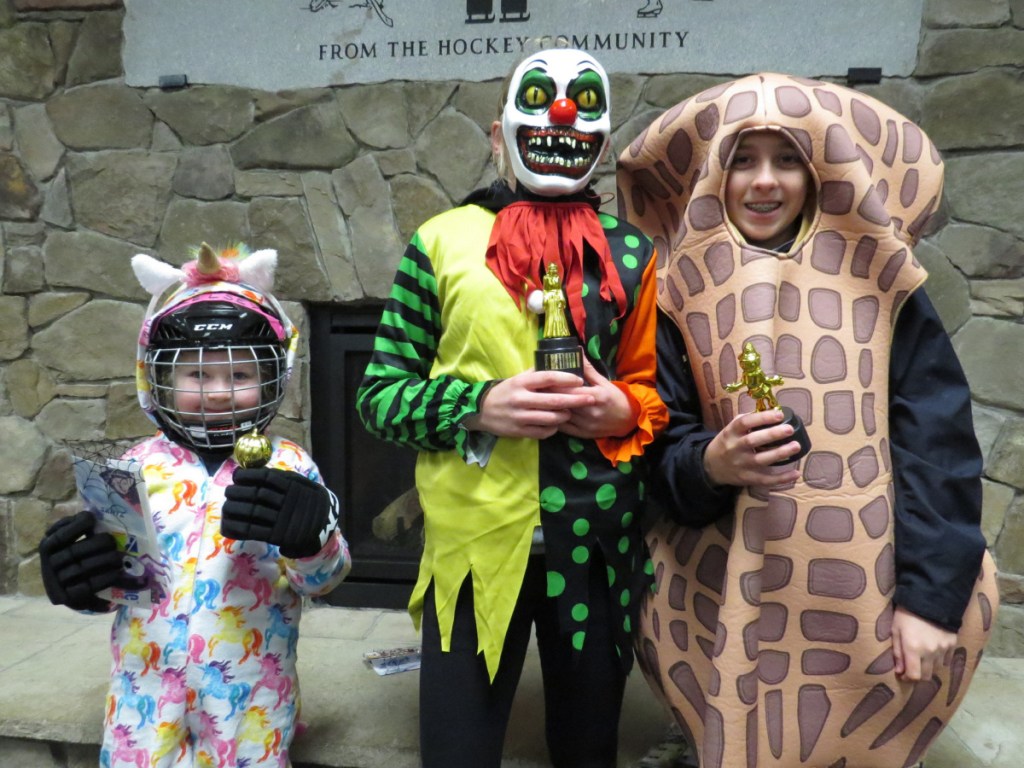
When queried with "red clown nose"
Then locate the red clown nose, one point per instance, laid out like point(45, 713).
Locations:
point(563, 112)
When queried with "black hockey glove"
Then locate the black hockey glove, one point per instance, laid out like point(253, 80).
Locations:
point(77, 563)
point(279, 507)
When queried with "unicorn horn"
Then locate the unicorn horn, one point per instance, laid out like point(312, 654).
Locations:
point(208, 262)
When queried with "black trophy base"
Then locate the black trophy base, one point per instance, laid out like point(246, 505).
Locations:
point(799, 434)
point(559, 354)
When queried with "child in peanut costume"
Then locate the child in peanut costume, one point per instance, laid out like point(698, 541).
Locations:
point(830, 613)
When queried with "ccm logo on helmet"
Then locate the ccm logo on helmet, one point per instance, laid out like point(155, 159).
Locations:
point(212, 326)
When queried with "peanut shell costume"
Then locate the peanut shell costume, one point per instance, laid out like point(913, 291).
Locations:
point(769, 634)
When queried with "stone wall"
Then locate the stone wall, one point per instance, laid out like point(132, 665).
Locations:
point(92, 172)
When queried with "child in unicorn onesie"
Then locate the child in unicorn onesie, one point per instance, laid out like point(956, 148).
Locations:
point(829, 611)
point(207, 675)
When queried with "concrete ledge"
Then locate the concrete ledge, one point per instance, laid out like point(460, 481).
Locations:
point(54, 673)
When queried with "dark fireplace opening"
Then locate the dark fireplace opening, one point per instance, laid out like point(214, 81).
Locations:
point(380, 512)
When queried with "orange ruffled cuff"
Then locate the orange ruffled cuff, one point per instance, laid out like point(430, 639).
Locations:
point(637, 369)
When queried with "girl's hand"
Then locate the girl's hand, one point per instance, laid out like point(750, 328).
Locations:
point(738, 454)
point(918, 646)
point(531, 404)
point(610, 414)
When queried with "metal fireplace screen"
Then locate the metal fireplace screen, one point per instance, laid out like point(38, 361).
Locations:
point(381, 517)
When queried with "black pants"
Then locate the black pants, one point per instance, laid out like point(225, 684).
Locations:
point(463, 716)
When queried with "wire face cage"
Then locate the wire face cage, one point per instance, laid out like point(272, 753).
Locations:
point(211, 396)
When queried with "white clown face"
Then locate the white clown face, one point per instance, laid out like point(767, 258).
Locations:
point(557, 122)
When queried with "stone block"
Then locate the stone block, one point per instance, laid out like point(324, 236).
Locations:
point(416, 198)
point(271, 183)
point(983, 109)
point(38, 145)
point(19, 196)
point(74, 345)
point(97, 53)
point(946, 287)
point(453, 150)
point(13, 327)
point(31, 519)
point(23, 270)
point(27, 65)
point(205, 173)
point(44, 307)
point(364, 197)
point(982, 251)
point(56, 208)
point(330, 231)
point(1008, 636)
point(986, 188)
point(31, 387)
point(81, 118)
point(480, 102)
point(22, 452)
point(123, 194)
point(89, 261)
point(998, 298)
point(125, 417)
point(664, 91)
point(187, 223)
point(1006, 461)
point(6, 128)
point(72, 420)
point(950, 51)
point(994, 375)
point(313, 137)
point(995, 501)
point(189, 112)
point(965, 13)
point(1011, 588)
point(56, 479)
point(282, 223)
point(1009, 548)
point(377, 114)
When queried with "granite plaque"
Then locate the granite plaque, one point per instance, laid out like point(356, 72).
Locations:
point(286, 44)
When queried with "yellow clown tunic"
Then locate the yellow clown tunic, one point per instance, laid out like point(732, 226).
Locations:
point(449, 330)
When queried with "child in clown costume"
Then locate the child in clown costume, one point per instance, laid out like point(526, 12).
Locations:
point(207, 675)
point(531, 482)
point(831, 612)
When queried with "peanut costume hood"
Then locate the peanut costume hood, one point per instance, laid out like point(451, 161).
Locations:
point(770, 633)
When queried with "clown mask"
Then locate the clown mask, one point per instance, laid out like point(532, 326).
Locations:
point(556, 121)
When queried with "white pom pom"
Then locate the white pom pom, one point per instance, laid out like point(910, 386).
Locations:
point(535, 302)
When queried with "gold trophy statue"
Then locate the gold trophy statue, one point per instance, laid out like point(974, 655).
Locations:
point(558, 349)
point(759, 387)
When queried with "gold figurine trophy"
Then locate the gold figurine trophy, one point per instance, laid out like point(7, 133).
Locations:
point(759, 387)
point(558, 349)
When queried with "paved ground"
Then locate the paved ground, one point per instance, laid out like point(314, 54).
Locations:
point(54, 667)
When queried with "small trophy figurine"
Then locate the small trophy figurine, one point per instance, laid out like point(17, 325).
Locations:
point(558, 350)
point(252, 450)
point(759, 387)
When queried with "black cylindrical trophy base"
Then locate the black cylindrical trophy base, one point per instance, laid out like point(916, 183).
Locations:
point(799, 434)
point(560, 354)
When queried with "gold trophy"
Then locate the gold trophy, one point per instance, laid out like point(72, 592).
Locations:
point(558, 349)
point(759, 387)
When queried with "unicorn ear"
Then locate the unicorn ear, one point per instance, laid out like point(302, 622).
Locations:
point(155, 276)
point(257, 269)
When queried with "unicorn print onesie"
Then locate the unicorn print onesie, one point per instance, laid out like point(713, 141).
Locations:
point(207, 675)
